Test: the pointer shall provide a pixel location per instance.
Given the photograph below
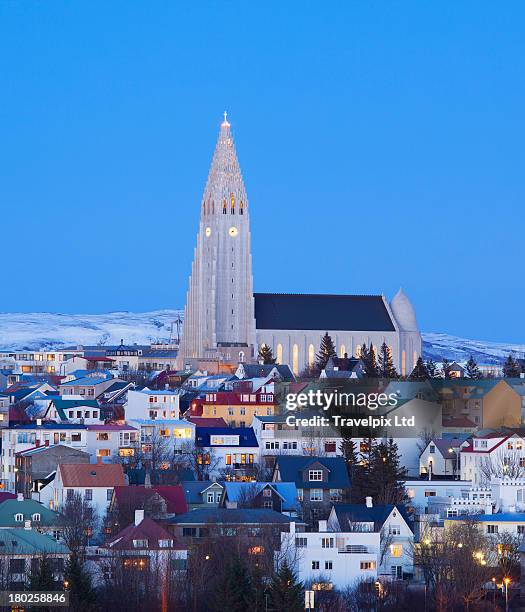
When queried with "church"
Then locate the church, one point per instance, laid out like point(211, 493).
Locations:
point(226, 322)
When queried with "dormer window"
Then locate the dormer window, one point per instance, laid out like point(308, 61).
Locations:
point(140, 543)
point(19, 517)
point(316, 475)
point(36, 517)
point(164, 543)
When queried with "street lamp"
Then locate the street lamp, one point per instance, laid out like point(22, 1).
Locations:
point(494, 583)
point(506, 581)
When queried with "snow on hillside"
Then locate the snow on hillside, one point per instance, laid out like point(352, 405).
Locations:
point(42, 330)
point(33, 331)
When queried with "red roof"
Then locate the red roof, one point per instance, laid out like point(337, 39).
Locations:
point(470, 448)
point(207, 422)
point(92, 475)
point(5, 496)
point(145, 530)
point(134, 497)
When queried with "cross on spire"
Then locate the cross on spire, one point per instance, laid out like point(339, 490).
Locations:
point(225, 122)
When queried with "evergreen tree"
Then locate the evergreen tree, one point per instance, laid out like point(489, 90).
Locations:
point(385, 363)
point(387, 474)
point(431, 368)
point(445, 367)
point(368, 359)
point(81, 593)
point(234, 589)
point(511, 368)
point(42, 577)
point(286, 593)
point(349, 453)
point(420, 371)
point(362, 481)
point(265, 355)
point(326, 350)
point(472, 370)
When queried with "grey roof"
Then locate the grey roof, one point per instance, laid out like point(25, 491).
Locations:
point(291, 470)
point(234, 516)
point(360, 513)
point(193, 489)
point(255, 370)
point(322, 312)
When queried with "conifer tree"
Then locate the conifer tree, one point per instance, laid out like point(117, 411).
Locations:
point(265, 355)
point(42, 577)
point(387, 474)
point(420, 371)
point(362, 483)
point(511, 368)
point(385, 363)
point(349, 453)
point(431, 366)
point(286, 593)
point(445, 367)
point(81, 593)
point(326, 350)
point(472, 370)
point(234, 590)
point(368, 359)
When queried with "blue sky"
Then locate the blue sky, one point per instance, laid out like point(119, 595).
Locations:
point(382, 144)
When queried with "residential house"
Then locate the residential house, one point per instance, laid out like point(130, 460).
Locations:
point(41, 362)
point(440, 457)
point(19, 512)
point(143, 545)
point(231, 451)
point(151, 404)
point(492, 454)
point(94, 482)
point(320, 481)
point(34, 465)
point(343, 367)
point(391, 522)
point(112, 440)
point(89, 384)
point(126, 357)
point(278, 496)
point(199, 494)
point(276, 371)
point(325, 560)
point(73, 409)
point(21, 548)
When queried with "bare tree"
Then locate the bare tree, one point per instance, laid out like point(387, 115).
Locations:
point(79, 522)
point(504, 463)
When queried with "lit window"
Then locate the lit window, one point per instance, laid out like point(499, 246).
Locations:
point(367, 565)
point(315, 475)
point(396, 550)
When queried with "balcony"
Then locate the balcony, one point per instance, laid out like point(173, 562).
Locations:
point(354, 549)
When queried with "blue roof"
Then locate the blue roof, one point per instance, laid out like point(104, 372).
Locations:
point(291, 470)
point(235, 516)
point(246, 435)
point(158, 391)
point(89, 380)
point(503, 517)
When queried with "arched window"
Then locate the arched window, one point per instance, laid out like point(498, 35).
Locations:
point(241, 208)
point(342, 350)
point(19, 517)
point(241, 356)
point(295, 359)
point(36, 517)
point(403, 364)
point(358, 351)
point(415, 359)
point(224, 211)
point(311, 355)
point(232, 204)
point(213, 207)
point(279, 358)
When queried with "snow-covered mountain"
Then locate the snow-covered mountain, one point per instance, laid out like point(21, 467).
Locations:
point(42, 330)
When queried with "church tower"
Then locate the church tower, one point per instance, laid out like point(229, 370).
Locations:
point(219, 319)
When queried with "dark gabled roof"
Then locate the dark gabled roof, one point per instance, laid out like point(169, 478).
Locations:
point(233, 516)
point(193, 489)
point(134, 497)
point(145, 530)
point(256, 370)
point(291, 470)
point(137, 476)
point(246, 435)
point(322, 312)
point(360, 513)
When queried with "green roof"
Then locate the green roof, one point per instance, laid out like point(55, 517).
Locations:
point(28, 508)
point(29, 542)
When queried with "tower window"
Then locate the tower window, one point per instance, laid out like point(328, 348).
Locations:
point(232, 204)
point(241, 208)
point(224, 207)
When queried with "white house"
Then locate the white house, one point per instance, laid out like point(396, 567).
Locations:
point(492, 455)
point(94, 482)
point(325, 559)
point(110, 441)
point(422, 492)
point(150, 404)
point(441, 457)
point(228, 449)
point(395, 557)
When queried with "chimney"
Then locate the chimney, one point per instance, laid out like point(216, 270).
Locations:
point(139, 517)
point(323, 526)
point(368, 502)
point(19, 497)
point(292, 527)
point(27, 525)
point(39, 422)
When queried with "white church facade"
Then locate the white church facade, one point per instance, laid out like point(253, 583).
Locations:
point(225, 321)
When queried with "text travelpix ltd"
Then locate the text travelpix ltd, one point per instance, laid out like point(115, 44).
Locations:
point(327, 401)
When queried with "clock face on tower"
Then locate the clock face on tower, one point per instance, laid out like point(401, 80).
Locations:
point(233, 231)
point(207, 231)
